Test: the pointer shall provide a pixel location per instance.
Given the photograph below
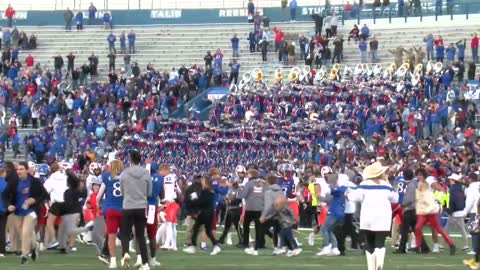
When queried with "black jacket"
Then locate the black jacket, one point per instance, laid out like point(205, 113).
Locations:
point(204, 203)
point(190, 198)
point(37, 191)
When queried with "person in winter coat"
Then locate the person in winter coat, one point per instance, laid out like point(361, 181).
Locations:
point(9, 14)
point(293, 10)
point(471, 71)
point(204, 216)
point(253, 194)
point(79, 20)
point(440, 52)
point(272, 192)
point(67, 17)
point(318, 19)
point(191, 194)
point(92, 10)
point(456, 215)
point(450, 53)
point(131, 42)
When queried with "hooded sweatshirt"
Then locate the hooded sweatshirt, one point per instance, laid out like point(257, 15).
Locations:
point(253, 193)
point(284, 216)
point(272, 192)
point(136, 186)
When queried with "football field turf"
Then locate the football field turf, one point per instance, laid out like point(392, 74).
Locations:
point(233, 258)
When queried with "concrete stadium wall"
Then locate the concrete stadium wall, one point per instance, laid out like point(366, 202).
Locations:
point(170, 16)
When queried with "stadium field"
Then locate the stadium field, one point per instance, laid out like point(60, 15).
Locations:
point(232, 258)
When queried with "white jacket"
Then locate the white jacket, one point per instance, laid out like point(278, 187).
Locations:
point(56, 185)
point(375, 199)
point(472, 194)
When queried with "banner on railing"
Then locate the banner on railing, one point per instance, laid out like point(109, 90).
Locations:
point(19, 15)
point(236, 12)
point(98, 14)
point(166, 14)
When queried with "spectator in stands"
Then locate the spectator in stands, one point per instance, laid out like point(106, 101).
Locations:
point(111, 62)
point(266, 21)
point(471, 71)
point(111, 43)
point(264, 49)
point(364, 32)
point(252, 41)
point(362, 46)
point(291, 53)
point(15, 37)
point(32, 42)
point(354, 33)
point(334, 24)
point(15, 52)
point(429, 46)
point(6, 38)
point(79, 20)
point(234, 40)
point(400, 8)
point(123, 43)
point(439, 52)
point(347, 8)
point(374, 49)
point(461, 45)
point(302, 43)
point(58, 62)
point(70, 62)
point(29, 61)
point(450, 53)
point(251, 9)
point(234, 71)
point(293, 10)
point(131, 42)
point(257, 19)
point(208, 60)
point(93, 60)
point(278, 37)
point(218, 58)
point(474, 46)
point(9, 14)
point(107, 20)
point(126, 63)
point(328, 26)
point(385, 4)
point(282, 51)
point(23, 42)
point(283, 4)
point(68, 16)
point(337, 49)
point(318, 19)
point(92, 10)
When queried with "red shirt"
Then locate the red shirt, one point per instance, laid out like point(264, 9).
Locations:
point(278, 35)
point(474, 42)
point(31, 89)
point(29, 61)
point(9, 12)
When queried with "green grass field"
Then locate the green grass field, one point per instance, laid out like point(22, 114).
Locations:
point(233, 258)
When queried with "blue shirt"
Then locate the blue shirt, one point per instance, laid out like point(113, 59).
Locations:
point(401, 188)
point(3, 185)
point(22, 194)
point(288, 187)
point(131, 38)
point(336, 207)
point(157, 186)
point(111, 39)
point(113, 195)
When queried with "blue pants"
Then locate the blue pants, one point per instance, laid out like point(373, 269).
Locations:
point(286, 238)
point(327, 231)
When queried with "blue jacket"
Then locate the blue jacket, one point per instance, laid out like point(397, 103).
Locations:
point(111, 39)
point(337, 203)
point(3, 185)
point(131, 38)
point(91, 11)
point(365, 31)
point(79, 17)
point(428, 41)
point(293, 5)
point(122, 41)
point(440, 51)
point(450, 53)
point(457, 198)
point(251, 8)
point(362, 45)
point(235, 42)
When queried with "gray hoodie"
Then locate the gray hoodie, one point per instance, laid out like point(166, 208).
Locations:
point(408, 202)
point(284, 216)
point(253, 193)
point(136, 186)
point(272, 192)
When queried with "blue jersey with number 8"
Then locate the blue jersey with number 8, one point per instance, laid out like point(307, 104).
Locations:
point(113, 195)
point(401, 188)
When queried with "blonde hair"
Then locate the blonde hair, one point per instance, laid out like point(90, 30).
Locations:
point(116, 166)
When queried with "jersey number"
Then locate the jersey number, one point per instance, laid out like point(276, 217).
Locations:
point(116, 190)
point(401, 188)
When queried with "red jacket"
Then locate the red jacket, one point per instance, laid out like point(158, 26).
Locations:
point(278, 35)
point(474, 42)
point(29, 61)
point(9, 12)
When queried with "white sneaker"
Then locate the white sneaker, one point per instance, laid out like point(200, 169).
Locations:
point(53, 245)
point(2, 255)
point(296, 252)
point(325, 251)
point(190, 250)
point(139, 261)
point(165, 247)
point(465, 248)
point(113, 264)
point(173, 248)
point(334, 252)
point(251, 251)
point(311, 239)
point(229, 239)
point(153, 262)
point(125, 261)
point(471, 252)
point(435, 248)
point(42, 247)
point(144, 267)
point(216, 250)
point(131, 247)
point(279, 251)
point(89, 225)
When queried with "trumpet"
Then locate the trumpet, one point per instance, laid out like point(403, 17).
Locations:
point(278, 74)
point(257, 74)
point(294, 74)
point(305, 73)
